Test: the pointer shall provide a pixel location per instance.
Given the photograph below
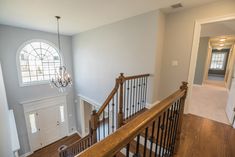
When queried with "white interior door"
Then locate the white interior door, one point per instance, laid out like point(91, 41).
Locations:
point(49, 124)
point(231, 104)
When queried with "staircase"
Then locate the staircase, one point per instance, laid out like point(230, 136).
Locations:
point(123, 126)
point(155, 132)
point(126, 101)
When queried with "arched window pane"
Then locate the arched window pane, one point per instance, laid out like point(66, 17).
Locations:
point(39, 61)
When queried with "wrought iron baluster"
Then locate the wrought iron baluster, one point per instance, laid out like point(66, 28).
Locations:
point(157, 135)
point(131, 93)
point(104, 123)
point(152, 138)
point(108, 118)
point(117, 104)
point(128, 99)
point(133, 101)
point(145, 141)
point(128, 149)
point(124, 100)
point(137, 154)
point(162, 133)
point(165, 133)
point(113, 115)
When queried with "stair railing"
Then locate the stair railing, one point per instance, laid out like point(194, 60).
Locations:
point(127, 98)
point(155, 132)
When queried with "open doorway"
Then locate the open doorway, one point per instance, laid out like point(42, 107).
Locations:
point(213, 73)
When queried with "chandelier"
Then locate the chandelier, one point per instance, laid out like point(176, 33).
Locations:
point(62, 78)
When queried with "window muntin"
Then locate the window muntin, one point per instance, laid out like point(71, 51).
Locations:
point(38, 62)
point(218, 60)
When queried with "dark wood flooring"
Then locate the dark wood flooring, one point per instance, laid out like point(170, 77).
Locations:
point(206, 138)
point(200, 138)
point(52, 149)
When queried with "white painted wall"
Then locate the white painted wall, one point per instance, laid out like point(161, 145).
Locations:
point(5, 136)
point(178, 41)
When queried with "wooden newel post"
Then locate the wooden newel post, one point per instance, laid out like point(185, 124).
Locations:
point(94, 125)
point(183, 87)
point(121, 80)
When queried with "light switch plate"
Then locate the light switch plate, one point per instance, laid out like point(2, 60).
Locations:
point(174, 63)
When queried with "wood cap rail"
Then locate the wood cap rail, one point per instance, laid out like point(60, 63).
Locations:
point(119, 139)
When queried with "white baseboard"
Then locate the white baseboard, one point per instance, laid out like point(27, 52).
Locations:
point(79, 133)
point(148, 106)
point(197, 85)
point(26, 154)
point(71, 133)
point(75, 132)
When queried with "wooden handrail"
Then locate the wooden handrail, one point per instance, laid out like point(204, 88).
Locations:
point(77, 146)
point(113, 92)
point(136, 76)
point(119, 139)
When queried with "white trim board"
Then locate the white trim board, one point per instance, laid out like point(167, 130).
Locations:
point(42, 98)
point(194, 51)
point(89, 100)
point(26, 154)
point(149, 106)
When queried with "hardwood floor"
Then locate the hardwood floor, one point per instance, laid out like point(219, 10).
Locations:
point(206, 138)
point(52, 149)
point(200, 138)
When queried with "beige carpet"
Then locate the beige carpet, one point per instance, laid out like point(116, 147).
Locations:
point(209, 101)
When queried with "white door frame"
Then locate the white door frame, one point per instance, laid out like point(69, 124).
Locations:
point(194, 51)
point(81, 104)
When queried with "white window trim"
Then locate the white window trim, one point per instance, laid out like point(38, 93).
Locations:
point(21, 84)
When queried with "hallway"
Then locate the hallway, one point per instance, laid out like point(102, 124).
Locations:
point(209, 101)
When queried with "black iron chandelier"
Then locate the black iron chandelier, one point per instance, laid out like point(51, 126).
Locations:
point(62, 78)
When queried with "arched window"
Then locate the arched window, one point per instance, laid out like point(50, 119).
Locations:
point(39, 61)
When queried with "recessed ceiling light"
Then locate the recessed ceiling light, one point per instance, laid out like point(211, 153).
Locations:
point(222, 39)
point(221, 44)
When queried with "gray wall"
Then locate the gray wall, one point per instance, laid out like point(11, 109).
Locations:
point(178, 41)
point(100, 54)
point(11, 39)
point(5, 142)
point(133, 46)
point(201, 60)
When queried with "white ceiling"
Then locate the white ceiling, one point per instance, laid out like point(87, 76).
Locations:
point(78, 15)
point(218, 28)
